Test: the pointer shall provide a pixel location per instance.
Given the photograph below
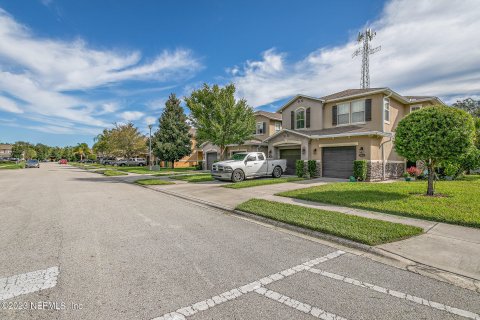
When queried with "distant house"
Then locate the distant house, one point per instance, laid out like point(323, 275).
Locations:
point(5, 151)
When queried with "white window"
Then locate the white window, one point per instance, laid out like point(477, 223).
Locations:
point(278, 126)
point(386, 109)
point(300, 118)
point(358, 111)
point(343, 113)
point(415, 107)
point(260, 128)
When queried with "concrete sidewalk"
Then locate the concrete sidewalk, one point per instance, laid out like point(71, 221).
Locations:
point(448, 247)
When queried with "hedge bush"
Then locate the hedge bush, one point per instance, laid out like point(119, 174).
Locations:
point(360, 170)
point(312, 168)
point(300, 168)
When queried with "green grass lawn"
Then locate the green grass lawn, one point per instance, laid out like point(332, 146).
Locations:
point(260, 182)
point(163, 171)
point(359, 229)
point(153, 182)
point(112, 173)
point(12, 166)
point(460, 203)
point(194, 177)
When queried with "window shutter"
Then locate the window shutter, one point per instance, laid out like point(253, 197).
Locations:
point(368, 110)
point(292, 120)
point(307, 122)
point(264, 127)
point(334, 115)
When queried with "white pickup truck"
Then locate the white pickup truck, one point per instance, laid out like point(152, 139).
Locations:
point(248, 165)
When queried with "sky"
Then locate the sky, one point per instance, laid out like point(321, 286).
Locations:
point(69, 69)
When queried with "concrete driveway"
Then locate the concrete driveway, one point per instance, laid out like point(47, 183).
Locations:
point(76, 245)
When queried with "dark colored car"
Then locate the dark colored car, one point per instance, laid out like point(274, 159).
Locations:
point(33, 163)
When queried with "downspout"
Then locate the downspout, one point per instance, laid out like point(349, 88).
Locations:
point(384, 164)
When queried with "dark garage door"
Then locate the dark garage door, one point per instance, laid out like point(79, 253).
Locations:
point(211, 157)
point(337, 162)
point(291, 155)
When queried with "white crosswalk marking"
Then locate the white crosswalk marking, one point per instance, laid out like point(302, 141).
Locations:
point(397, 294)
point(28, 282)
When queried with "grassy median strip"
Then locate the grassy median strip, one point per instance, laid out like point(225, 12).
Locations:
point(260, 182)
point(194, 177)
point(12, 166)
point(112, 173)
point(457, 202)
point(364, 230)
point(153, 182)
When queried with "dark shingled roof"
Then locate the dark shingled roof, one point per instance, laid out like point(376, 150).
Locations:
point(349, 92)
point(270, 115)
point(336, 130)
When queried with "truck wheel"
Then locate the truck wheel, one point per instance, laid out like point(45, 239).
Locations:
point(238, 175)
point(277, 172)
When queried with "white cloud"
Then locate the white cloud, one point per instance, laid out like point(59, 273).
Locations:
point(43, 74)
point(433, 49)
point(156, 104)
point(131, 115)
point(9, 105)
point(150, 120)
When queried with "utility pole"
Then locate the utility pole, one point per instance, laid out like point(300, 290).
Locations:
point(365, 50)
point(150, 146)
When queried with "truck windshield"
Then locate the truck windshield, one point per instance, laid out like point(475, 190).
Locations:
point(239, 156)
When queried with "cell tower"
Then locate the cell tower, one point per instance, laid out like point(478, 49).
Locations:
point(365, 51)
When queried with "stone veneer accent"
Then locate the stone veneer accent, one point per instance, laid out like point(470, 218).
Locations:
point(393, 170)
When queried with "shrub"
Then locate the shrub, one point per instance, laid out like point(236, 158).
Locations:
point(312, 168)
point(360, 170)
point(300, 168)
point(414, 171)
point(199, 165)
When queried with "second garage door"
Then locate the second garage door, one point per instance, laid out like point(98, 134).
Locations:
point(291, 155)
point(337, 162)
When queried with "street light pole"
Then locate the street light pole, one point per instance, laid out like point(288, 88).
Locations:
point(150, 147)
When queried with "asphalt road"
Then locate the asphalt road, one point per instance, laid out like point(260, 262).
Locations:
point(103, 249)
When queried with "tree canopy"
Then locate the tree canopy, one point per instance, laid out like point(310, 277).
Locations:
point(219, 118)
point(434, 134)
point(469, 105)
point(172, 140)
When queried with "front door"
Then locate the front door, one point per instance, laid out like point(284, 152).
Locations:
point(291, 155)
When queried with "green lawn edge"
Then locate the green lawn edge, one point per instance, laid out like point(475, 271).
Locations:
point(359, 229)
point(194, 178)
point(153, 182)
point(260, 182)
point(112, 173)
point(460, 204)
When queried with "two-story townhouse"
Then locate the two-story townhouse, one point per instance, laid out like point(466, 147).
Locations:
point(266, 125)
point(335, 130)
point(5, 151)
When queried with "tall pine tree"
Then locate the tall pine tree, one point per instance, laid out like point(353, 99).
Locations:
point(171, 141)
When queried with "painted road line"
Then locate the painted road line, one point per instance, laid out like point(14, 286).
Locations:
point(300, 306)
point(28, 282)
point(398, 294)
point(190, 310)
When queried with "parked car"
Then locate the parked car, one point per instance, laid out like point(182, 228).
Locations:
point(33, 163)
point(131, 162)
point(108, 161)
point(63, 161)
point(248, 165)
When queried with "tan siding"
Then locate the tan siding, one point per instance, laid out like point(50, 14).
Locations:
point(315, 113)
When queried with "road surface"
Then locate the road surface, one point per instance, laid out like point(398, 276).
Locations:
point(77, 245)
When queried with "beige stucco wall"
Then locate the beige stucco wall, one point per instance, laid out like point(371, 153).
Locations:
point(377, 107)
point(315, 113)
point(270, 126)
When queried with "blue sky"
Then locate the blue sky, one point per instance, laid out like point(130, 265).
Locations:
point(70, 68)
